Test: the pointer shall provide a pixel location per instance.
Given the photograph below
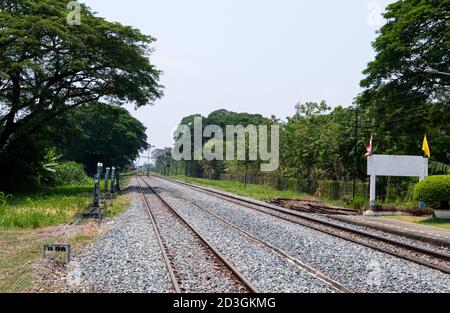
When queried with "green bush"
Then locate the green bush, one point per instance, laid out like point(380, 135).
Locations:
point(358, 203)
point(329, 189)
point(346, 200)
point(292, 184)
point(409, 195)
point(391, 192)
point(69, 173)
point(434, 191)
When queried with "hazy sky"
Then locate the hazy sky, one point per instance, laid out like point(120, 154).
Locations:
point(257, 56)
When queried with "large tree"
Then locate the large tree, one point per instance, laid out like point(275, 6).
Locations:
point(405, 96)
point(214, 168)
point(48, 67)
point(415, 39)
point(319, 143)
point(163, 160)
point(97, 133)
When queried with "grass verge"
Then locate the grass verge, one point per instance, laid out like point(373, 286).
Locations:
point(21, 261)
point(259, 192)
point(265, 193)
point(28, 221)
point(48, 206)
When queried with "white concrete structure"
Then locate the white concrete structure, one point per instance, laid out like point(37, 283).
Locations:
point(394, 165)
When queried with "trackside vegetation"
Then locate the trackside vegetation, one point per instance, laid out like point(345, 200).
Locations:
point(434, 191)
point(405, 92)
point(266, 193)
point(48, 206)
point(52, 205)
point(258, 192)
point(53, 75)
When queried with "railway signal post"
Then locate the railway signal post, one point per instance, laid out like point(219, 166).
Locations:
point(117, 178)
point(95, 210)
point(107, 176)
point(113, 174)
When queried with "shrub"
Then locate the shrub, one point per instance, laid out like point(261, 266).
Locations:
point(410, 191)
point(346, 199)
point(292, 184)
point(391, 192)
point(358, 203)
point(434, 191)
point(4, 199)
point(69, 173)
point(329, 188)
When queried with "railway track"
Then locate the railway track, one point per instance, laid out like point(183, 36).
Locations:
point(246, 285)
point(423, 256)
point(336, 286)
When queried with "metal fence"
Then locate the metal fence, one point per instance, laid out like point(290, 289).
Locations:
point(331, 189)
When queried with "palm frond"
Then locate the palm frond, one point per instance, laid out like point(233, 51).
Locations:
point(439, 168)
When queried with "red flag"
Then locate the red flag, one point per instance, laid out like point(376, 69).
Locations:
point(369, 148)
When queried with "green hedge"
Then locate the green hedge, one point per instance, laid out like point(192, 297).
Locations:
point(434, 191)
point(69, 173)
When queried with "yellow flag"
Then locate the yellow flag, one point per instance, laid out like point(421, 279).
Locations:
point(426, 147)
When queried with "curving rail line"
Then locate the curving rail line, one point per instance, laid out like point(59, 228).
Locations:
point(420, 255)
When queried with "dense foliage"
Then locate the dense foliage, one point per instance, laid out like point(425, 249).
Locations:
point(318, 143)
point(317, 151)
point(434, 191)
point(213, 169)
point(403, 97)
point(48, 68)
point(68, 173)
point(163, 161)
point(107, 133)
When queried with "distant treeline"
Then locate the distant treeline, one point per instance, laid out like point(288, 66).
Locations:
point(406, 94)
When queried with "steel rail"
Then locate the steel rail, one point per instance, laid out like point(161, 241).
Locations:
point(295, 217)
point(221, 257)
point(160, 243)
point(312, 271)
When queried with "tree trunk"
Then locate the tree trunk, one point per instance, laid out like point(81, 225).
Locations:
point(9, 129)
point(10, 126)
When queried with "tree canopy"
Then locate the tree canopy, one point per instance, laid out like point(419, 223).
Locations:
point(106, 133)
point(414, 40)
point(403, 97)
point(48, 66)
point(222, 118)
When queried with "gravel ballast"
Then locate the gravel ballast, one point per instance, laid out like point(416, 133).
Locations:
point(127, 258)
point(357, 267)
point(433, 246)
point(266, 270)
point(195, 266)
point(399, 238)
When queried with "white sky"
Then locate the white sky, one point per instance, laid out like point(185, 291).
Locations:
point(256, 56)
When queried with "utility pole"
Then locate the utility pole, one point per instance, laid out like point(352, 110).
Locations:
point(356, 152)
point(148, 159)
point(148, 165)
